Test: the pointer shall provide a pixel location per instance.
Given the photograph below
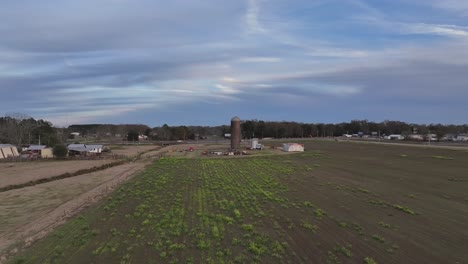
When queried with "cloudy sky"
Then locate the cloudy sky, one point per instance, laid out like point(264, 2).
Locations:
point(202, 62)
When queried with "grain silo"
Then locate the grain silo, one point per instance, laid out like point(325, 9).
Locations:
point(235, 133)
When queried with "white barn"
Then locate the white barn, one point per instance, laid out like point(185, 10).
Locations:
point(293, 147)
point(8, 151)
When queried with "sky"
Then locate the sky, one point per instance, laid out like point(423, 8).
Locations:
point(202, 62)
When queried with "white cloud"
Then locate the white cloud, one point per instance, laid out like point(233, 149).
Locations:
point(401, 27)
point(226, 89)
point(230, 80)
point(182, 91)
point(445, 30)
point(339, 90)
point(262, 85)
point(252, 17)
point(260, 59)
point(342, 53)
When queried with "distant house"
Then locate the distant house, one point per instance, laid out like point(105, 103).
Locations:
point(293, 147)
point(416, 137)
point(395, 137)
point(449, 137)
point(41, 151)
point(8, 151)
point(94, 148)
point(77, 149)
point(431, 137)
point(462, 137)
point(83, 149)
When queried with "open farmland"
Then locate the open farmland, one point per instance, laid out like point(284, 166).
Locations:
point(337, 202)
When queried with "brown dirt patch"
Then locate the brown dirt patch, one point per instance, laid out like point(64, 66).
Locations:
point(29, 213)
point(131, 150)
point(14, 173)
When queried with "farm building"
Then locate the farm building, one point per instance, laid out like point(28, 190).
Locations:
point(416, 137)
point(7, 151)
point(253, 143)
point(293, 147)
point(41, 151)
point(83, 149)
point(94, 148)
point(395, 137)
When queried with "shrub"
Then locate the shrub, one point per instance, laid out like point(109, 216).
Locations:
point(60, 151)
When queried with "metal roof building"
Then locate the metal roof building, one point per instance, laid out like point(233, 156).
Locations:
point(86, 148)
point(37, 147)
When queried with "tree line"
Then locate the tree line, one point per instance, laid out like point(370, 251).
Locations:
point(20, 129)
point(287, 129)
point(259, 128)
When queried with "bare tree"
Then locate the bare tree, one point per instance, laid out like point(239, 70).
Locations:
point(17, 127)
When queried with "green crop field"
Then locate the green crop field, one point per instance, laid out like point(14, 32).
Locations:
point(337, 203)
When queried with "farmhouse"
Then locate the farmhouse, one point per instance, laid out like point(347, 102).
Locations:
point(8, 151)
point(416, 137)
point(395, 137)
point(94, 148)
point(83, 149)
point(293, 147)
point(41, 151)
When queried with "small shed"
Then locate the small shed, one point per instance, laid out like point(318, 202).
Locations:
point(41, 150)
point(254, 143)
point(395, 137)
point(8, 151)
point(293, 147)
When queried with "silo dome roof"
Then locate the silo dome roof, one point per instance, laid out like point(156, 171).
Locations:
point(235, 119)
